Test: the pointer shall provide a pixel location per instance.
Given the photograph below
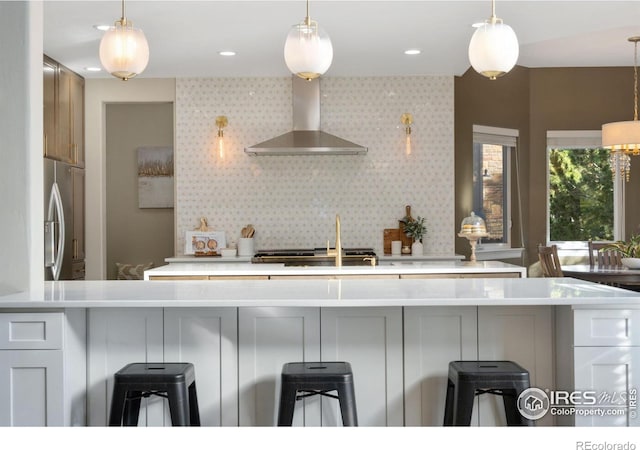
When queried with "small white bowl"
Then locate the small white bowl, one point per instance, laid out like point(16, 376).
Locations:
point(227, 252)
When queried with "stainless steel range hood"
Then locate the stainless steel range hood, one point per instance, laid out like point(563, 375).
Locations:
point(306, 137)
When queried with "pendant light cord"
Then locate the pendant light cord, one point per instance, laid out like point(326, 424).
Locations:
point(635, 80)
point(123, 16)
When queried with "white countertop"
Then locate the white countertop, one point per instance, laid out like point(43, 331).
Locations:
point(239, 259)
point(395, 268)
point(322, 293)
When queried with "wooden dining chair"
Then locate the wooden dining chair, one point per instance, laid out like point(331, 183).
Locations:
point(549, 261)
point(603, 257)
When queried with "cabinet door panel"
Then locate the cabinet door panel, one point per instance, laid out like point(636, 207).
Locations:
point(50, 75)
point(207, 338)
point(118, 337)
point(31, 386)
point(64, 115)
point(77, 177)
point(523, 334)
point(370, 339)
point(268, 338)
point(433, 337)
point(76, 86)
point(608, 371)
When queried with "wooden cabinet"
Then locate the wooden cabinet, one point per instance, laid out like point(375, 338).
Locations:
point(607, 360)
point(77, 180)
point(50, 78)
point(31, 369)
point(63, 113)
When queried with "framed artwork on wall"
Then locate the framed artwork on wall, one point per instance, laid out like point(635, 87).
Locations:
point(155, 177)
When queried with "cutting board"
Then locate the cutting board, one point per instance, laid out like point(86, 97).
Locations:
point(393, 234)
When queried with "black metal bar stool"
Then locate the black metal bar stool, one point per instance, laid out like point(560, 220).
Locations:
point(174, 381)
point(470, 378)
point(317, 378)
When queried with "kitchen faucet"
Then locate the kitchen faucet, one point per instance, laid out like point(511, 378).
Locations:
point(337, 252)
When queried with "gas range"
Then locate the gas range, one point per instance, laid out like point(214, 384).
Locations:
point(314, 257)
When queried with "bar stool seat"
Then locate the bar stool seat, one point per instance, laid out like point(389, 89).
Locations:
point(174, 381)
point(470, 378)
point(317, 378)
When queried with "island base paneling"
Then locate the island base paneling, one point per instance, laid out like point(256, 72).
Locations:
point(399, 361)
point(43, 368)
point(607, 359)
point(433, 337)
point(207, 338)
point(268, 338)
point(399, 356)
point(370, 339)
point(523, 334)
point(118, 337)
point(30, 384)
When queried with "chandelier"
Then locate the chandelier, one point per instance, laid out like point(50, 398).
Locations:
point(623, 138)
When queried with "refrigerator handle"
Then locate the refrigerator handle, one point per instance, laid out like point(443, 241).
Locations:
point(56, 212)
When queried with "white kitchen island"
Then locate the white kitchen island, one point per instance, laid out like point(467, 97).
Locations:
point(67, 339)
point(397, 268)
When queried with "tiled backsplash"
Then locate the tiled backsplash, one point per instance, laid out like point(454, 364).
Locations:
point(292, 200)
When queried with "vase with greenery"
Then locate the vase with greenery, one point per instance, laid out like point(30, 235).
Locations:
point(627, 249)
point(416, 229)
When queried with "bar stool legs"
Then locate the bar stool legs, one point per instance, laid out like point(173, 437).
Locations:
point(173, 381)
point(469, 378)
point(317, 378)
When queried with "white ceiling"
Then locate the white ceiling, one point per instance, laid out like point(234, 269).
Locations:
point(369, 37)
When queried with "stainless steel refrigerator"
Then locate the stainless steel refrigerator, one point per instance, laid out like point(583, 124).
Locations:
point(61, 247)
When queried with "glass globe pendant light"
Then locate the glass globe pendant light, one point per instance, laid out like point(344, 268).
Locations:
point(493, 50)
point(308, 51)
point(124, 51)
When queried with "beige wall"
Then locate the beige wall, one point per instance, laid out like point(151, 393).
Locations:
point(135, 235)
point(535, 101)
point(98, 94)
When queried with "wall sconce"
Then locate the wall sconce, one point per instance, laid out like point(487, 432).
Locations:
point(221, 123)
point(407, 120)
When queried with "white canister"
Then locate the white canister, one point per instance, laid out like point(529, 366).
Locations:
point(245, 247)
point(396, 247)
point(417, 249)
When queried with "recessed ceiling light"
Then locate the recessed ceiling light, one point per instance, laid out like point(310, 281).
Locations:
point(92, 69)
point(412, 51)
point(227, 53)
point(102, 27)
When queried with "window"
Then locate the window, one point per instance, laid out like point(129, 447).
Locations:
point(492, 157)
point(584, 198)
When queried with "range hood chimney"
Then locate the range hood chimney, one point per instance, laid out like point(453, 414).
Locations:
point(306, 137)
